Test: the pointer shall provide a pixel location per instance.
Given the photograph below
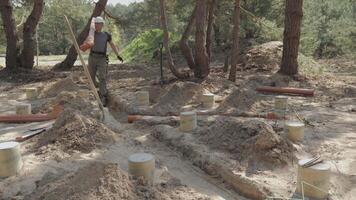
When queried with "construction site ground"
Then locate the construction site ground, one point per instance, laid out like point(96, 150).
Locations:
point(226, 157)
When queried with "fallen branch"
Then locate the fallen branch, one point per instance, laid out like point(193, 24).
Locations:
point(286, 90)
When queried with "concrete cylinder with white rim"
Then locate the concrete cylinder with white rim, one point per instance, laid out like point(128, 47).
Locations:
point(280, 102)
point(10, 159)
point(23, 109)
point(188, 121)
point(294, 130)
point(142, 165)
point(31, 93)
point(208, 100)
point(143, 98)
point(315, 179)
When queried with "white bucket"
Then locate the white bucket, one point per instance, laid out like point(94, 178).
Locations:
point(142, 165)
point(10, 159)
point(188, 121)
point(294, 130)
point(23, 109)
point(280, 102)
point(208, 100)
point(31, 93)
point(143, 98)
point(317, 176)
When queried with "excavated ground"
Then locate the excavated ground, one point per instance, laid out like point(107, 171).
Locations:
point(225, 158)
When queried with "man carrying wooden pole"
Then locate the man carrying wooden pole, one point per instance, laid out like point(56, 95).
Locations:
point(98, 58)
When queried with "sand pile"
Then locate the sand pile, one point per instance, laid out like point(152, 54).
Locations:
point(97, 181)
point(71, 100)
point(66, 84)
point(101, 181)
point(73, 132)
point(178, 95)
point(240, 100)
point(264, 57)
point(248, 141)
point(246, 99)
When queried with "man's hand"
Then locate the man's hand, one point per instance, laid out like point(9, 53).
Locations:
point(119, 57)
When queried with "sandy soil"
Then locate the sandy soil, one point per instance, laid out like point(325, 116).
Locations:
point(203, 164)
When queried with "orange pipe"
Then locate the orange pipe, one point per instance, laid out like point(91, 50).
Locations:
point(286, 90)
point(132, 118)
point(57, 110)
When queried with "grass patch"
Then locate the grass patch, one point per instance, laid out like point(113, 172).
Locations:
point(307, 65)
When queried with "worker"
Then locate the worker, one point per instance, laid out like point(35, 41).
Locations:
point(98, 58)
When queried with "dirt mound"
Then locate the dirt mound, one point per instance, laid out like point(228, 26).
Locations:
point(249, 141)
point(101, 181)
point(66, 84)
point(73, 132)
point(264, 57)
point(97, 181)
point(246, 99)
point(240, 100)
point(179, 95)
point(72, 101)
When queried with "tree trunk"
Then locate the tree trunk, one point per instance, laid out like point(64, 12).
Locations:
point(226, 63)
point(29, 29)
point(184, 42)
point(10, 32)
point(209, 32)
point(235, 45)
point(201, 69)
point(170, 63)
point(72, 55)
point(292, 21)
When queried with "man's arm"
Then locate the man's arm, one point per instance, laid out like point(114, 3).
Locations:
point(116, 50)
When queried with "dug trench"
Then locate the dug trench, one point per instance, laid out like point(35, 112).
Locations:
point(226, 157)
point(83, 158)
point(242, 153)
point(251, 156)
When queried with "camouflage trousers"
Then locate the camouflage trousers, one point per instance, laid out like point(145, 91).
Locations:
point(98, 67)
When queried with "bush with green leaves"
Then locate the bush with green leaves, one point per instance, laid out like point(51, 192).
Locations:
point(145, 45)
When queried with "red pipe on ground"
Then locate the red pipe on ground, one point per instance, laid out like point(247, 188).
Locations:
point(57, 110)
point(286, 90)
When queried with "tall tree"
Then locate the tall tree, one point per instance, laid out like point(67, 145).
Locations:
point(29, 29)
point(10, 32)
point(209, 32)
point(184, 42)
point(170, 63)
point(235, 46)
point(292, 22)
point(72, 55)
point(201, 69)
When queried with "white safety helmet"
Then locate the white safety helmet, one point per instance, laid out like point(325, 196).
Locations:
point(99, 20)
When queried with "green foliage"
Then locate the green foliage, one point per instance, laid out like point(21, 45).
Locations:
point(307, 65)
point(145, 44)
point(329, 28)
point(53, 33)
